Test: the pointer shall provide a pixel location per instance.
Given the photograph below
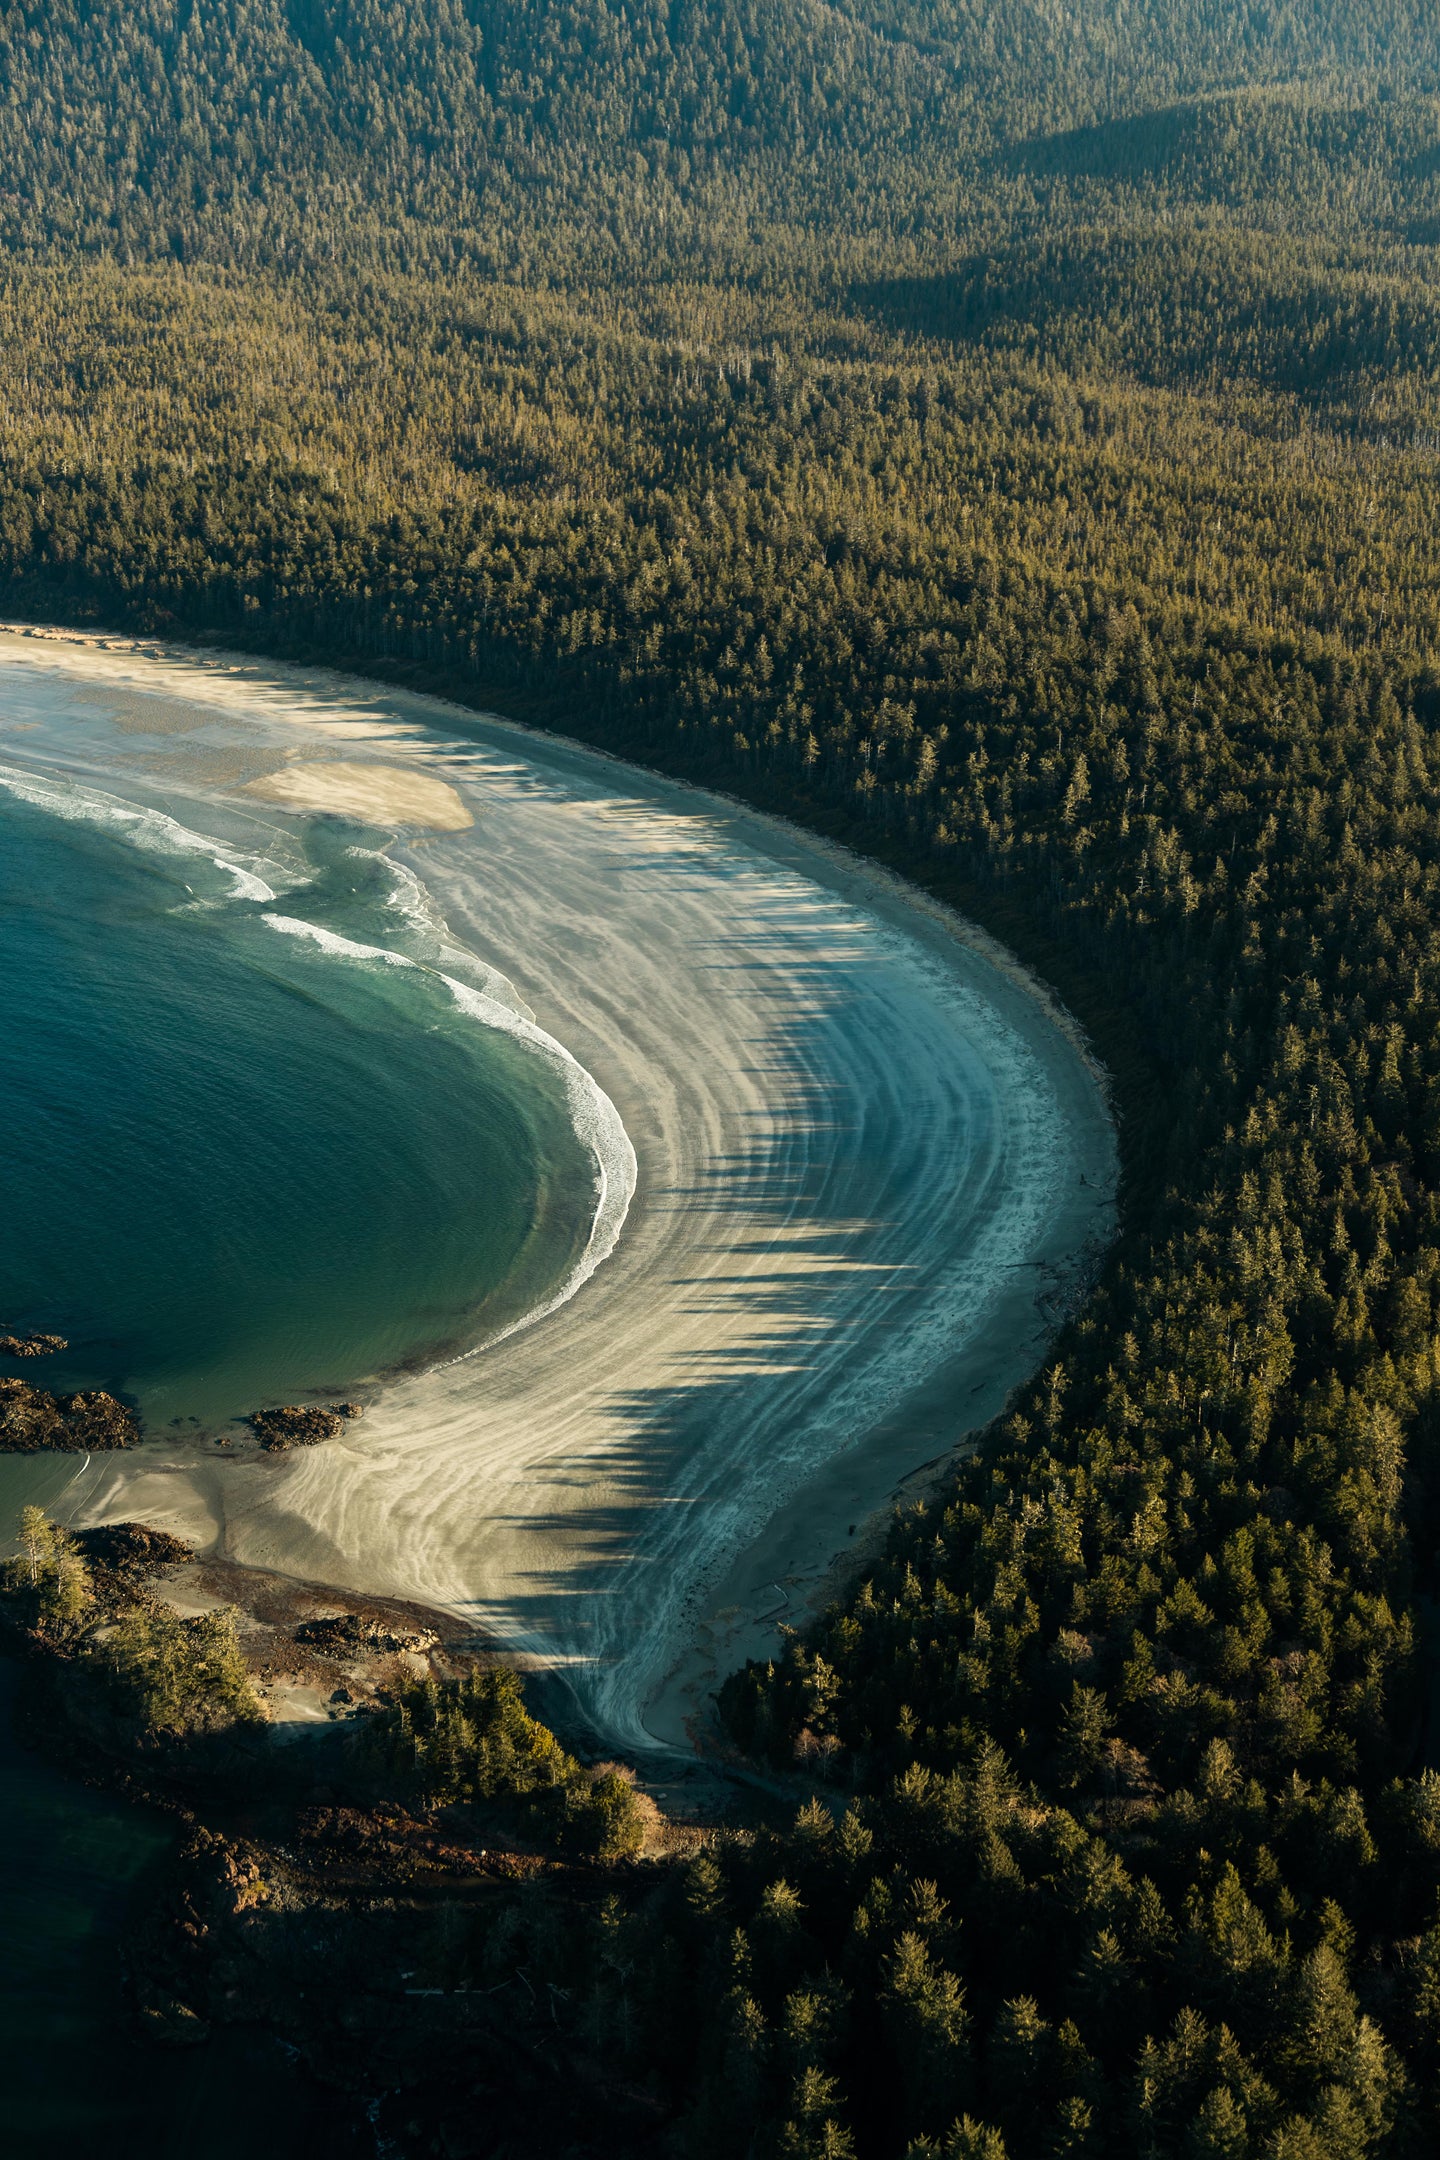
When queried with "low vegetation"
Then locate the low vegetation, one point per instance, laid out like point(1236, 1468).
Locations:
point(152, 1675)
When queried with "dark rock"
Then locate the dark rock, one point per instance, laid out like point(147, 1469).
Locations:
point(98, 1420)
point(170, 2022)
point(32, 1419)
point(345, 1634)
point(32, 1345)
point(334, 1635)
point(132, 1548)
point(295, 1425)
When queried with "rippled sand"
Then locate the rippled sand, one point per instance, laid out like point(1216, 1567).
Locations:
point(875, 1163)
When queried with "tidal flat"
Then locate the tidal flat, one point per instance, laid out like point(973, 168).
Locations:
point(872, 1166)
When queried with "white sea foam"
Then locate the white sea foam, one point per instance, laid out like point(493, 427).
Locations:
point(592, 1114)
point(150, 830)
point(330, 941)
point(247, 885)
point(416, 907)
point(408, 896)
point(598, 1124)
point(596, 1121)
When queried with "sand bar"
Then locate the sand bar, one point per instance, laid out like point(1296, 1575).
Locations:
point(875, 1165)
point(380, 794)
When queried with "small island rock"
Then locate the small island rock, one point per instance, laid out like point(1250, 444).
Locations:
point(32, 1420)
point(298, 1425)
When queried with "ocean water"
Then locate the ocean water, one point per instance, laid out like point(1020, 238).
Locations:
point(257, 1141)
point(266, 1134)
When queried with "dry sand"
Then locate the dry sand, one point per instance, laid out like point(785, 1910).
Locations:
point(875, 1165)
point(380, 794)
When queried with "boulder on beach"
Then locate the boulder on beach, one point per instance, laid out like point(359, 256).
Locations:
point(347, 1634)
point(131, 1548)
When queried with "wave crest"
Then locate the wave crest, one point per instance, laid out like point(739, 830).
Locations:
point(594, 1117)
point(596, 1121)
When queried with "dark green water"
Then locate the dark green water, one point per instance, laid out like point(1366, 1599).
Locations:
point(237, 1166)
point(75, 2082)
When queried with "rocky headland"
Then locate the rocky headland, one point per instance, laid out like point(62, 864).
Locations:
point(381, 1856)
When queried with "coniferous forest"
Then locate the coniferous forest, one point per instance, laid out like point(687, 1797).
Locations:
point(1006, 437)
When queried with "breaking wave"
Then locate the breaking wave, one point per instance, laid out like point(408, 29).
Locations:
point(490, 1000)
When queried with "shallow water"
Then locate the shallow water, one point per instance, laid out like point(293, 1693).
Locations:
point(238, 1166)
point(244, 1156)
point(876, 1164)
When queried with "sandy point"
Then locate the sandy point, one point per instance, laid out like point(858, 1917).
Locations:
point(381, 794)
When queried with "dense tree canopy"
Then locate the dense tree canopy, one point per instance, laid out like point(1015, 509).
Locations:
point(1007, 436)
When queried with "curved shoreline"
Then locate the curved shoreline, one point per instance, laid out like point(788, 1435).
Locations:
point(867, 1140)
point(594, 1119)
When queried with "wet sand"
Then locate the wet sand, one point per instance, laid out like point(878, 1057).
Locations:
point(875, 1167)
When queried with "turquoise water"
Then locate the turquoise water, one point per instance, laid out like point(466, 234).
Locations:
point(238, 1165)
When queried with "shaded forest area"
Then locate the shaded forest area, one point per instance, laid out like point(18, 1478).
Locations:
point(1007, 436)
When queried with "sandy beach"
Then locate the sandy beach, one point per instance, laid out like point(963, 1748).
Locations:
point(875, 1167)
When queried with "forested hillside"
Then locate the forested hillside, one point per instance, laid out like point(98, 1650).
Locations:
point(1008, 436)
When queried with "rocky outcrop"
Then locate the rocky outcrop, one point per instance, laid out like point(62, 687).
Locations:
point(32, 1420)
point(130, 1548)
point(300, 1424)
point(345, 1634)
point(98, 1420)
point(166, 2021)
point(32, 1345)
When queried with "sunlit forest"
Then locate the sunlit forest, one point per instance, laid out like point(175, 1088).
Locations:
point(1006, 437)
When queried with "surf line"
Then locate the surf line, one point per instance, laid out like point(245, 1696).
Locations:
point(594, 1117)
point(152, 831)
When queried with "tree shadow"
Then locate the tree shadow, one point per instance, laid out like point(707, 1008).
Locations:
point(830, 1270)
